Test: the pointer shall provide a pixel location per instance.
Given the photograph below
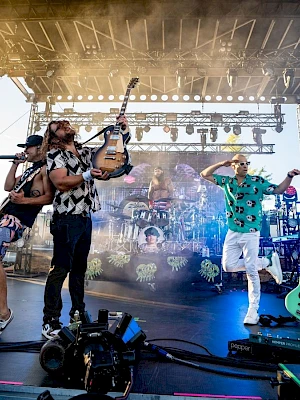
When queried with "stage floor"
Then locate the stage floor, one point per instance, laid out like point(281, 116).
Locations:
point(193, 313)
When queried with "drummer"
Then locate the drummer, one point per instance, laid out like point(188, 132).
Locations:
point(161, 188)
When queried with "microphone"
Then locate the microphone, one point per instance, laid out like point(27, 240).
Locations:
point(13, 157)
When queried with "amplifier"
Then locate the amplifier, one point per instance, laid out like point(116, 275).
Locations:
point(284, 343)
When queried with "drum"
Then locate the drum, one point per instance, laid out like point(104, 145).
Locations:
point(129, 231)
point(157, 238)
point(129, 207)
point(143, 218)
point(161, 218)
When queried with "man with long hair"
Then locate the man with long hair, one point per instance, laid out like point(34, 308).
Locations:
point(71, 171)
point(28, 193)
point(160, 188)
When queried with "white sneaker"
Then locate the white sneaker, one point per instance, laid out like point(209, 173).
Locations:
point(3, 324)
point(252, 317)
point(51, 329)
point(275, 268)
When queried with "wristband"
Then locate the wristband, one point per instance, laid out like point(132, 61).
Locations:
point(290, 176)
point(87, 175)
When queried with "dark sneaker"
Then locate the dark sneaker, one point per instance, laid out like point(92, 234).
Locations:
point(3, 324)
point(51, 328)
point(275, 267)
point(252, 317)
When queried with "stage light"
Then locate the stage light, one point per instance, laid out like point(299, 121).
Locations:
point(153, 97)
point(50, 73)
point(68, 110)
point(257, 135)
point(143, 97)
point(279, 128)
point(175, 97)
point(197, 97)
point(219, 98)
point(288, 77)
point(166, 129)
point(207, 97)
point(111, 97)
point(59, 97)
point(213, 134)
point(195, 112)
point(174, 134)
point(268, 70)
point(147, 128)
point(79, 97)
point(70, 97)
point(243, 112)
point(100, 97)
point(203, 139)
point(90, 97)
point(114, 111)
point(236, 129)
point(132, 97)
point(251, 98)
point(189, 129)
point(121, 97)
point(240, 98)
point(164, 97)
point(232, 75)
point(37, 127)
point(139, 134)
point(229, 98)
point(186, 97)
point(227, 128)
point(262, 98)
point(277, 100)
point(88, 128)
point(30, 81)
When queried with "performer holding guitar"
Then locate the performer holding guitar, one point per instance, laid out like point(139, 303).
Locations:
point(70, 167)
point(28, 193)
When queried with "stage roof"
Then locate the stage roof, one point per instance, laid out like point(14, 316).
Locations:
point(184, 48)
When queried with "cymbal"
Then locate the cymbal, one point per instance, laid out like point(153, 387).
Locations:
point(113, 205)
point(165, 199)
point(119, 215)
point(174, 199)
point(137, 198)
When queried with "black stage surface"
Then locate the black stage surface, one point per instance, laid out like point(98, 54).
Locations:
point(193, 313)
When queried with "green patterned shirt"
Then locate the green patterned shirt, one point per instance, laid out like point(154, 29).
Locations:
point(243, 201)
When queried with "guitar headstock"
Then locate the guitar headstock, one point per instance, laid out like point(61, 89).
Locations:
point(132, 83)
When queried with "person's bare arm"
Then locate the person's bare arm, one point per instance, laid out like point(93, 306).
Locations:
point(208, 172)
point(150, 191)
point(281, 188)
point(11, 179)
point(64, 183)
point(45, 198)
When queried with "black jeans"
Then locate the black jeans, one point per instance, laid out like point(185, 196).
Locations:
point(72, 240)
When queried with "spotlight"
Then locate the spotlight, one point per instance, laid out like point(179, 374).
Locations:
point(146, 128)
point(237, 130)
point(50, 73)
point(189, 129)
point(113, 72)
point(213, 134)
point(139, 134)
point(288, 77)
point(227, 128)
point(279, 128)
point(232, 77)
point(257, 135)
point(88, 128)
point(268, 70)
point(37, 127)
point(166, 129)
point(174, 134)
point(203, 139)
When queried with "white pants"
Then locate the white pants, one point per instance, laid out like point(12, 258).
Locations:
point(235, 245)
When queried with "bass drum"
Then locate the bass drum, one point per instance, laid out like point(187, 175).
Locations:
point(130, 204)
point(156, 246)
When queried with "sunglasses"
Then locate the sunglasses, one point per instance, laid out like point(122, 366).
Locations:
point(244, 163)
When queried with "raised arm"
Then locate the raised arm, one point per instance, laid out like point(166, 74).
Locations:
point(281, 188)
point(208, 172)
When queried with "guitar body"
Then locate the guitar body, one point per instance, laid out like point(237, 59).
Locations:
point(116, 163)
point(292, 302)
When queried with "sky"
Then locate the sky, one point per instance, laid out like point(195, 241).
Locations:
point(15, 117)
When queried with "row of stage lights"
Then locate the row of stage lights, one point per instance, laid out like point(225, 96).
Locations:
point(164, 97)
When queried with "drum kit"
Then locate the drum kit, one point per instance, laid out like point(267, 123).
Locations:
point(182, 225)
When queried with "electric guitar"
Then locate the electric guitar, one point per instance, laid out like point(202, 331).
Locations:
point(292, 300)
point(18, 188)
point(113, 156)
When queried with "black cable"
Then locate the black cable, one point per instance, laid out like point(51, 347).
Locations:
point(182, 341)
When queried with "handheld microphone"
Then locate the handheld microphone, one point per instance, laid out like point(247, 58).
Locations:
point(12, 157)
